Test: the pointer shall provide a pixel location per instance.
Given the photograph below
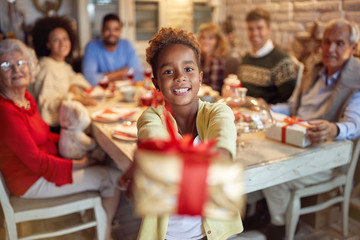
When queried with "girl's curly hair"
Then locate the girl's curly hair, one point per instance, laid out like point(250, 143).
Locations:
point(42, 29)
point(167, 36)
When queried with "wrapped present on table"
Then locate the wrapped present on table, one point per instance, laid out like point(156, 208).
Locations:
point(289, 130)
point(175, 177)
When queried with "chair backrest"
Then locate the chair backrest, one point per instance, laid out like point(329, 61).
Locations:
point(354, 160)
point(231, 66)
point(300, 69)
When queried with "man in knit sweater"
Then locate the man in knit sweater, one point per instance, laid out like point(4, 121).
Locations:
point(266, 71)
point(330, 92)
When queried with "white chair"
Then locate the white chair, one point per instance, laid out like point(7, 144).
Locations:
point(343, 181)
point(18, 210)
point(300, 69)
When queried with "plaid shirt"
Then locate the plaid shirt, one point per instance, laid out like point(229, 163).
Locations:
point(213, 72)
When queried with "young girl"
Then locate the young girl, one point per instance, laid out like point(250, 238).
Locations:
point(174, 57)
point(213, 50)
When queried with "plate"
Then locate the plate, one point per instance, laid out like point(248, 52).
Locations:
point(113, 114)
point(98, 92)
point(125, 132)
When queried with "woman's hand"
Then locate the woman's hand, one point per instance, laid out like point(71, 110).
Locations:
point(320, 131)
point(83, 162)
point(86, 101)
point(77, 92)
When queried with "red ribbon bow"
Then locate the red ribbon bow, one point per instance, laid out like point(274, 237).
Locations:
point(196, 161)
point(289, 121)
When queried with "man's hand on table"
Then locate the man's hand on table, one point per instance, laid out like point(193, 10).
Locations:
point(320, 131)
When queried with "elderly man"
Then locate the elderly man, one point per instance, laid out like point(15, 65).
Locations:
point(112, 56)
point(266, 71)
point(331, 93)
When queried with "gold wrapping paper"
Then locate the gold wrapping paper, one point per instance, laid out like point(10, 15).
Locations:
point(157, 178)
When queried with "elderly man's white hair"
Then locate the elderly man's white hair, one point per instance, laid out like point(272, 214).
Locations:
point(339, 22)
point(11, 45)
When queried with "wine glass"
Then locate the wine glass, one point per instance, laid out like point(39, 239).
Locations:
point(131, 74)
point(251, 115)
point(147, 73)
point(147, 98)
point(103, 82)
point(147, 81)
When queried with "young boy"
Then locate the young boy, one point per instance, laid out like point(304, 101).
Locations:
point(174, 57)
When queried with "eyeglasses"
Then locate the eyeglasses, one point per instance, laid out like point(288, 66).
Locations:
point(7, 66)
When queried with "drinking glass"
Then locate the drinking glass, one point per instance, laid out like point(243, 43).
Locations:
point(147, 73)
point(103, 82)
point(131, 74)
point(147, 80)
point(147, 99)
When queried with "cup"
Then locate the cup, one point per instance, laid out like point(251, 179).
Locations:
point(128, 93)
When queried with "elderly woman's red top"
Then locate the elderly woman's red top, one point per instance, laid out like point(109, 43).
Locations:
point(28, 149)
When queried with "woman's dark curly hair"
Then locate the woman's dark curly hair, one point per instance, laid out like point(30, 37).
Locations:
point(42, 29)
point(167, 36)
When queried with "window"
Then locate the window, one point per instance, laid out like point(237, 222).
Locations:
point(97, 9)
point(202, 14)
point(147, 19)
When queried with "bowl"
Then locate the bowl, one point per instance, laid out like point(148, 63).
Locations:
point(122, 83)
point(128, 93)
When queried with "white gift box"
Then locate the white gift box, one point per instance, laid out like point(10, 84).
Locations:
point(290, 133)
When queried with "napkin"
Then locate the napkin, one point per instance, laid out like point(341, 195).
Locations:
point(114, 114)
point(125, 132)
point(97, 91)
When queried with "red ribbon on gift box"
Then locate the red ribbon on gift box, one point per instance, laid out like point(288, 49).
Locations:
point(196, 161)
point(289, 121)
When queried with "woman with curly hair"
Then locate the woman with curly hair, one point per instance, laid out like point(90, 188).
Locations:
point(174, 56)
point(54, 42)
point(213, 50)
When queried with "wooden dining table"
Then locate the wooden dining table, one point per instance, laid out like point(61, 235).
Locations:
point(266, 162)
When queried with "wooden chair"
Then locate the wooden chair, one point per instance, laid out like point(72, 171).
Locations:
point(231, 66)
point(17, 210)
point(300, 69)
point(343, 181)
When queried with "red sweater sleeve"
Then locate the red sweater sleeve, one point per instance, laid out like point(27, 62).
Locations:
point(54, 137)
point(28, 138)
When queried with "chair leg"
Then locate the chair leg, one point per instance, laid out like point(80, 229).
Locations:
point(100, 216)
point(11, 231)
point(292, 217)
point(345, 210)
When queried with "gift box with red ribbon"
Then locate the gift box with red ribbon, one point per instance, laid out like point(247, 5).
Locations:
point(175, 177)
point(290, 130)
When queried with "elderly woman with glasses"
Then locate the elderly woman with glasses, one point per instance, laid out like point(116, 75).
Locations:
point(29, 158)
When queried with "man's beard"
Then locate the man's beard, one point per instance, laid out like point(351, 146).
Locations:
point(111, 42)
